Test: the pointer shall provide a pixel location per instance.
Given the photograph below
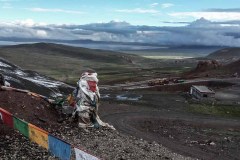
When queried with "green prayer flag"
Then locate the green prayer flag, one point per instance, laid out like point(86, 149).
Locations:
point(21, 126)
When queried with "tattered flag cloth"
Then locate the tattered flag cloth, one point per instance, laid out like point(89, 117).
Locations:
point(87, 94)
point(81, 155)
point(6, 117)
point(38, 135)
point(59, 148)
point(71, 100)
point(92, 86)
point(21, 126)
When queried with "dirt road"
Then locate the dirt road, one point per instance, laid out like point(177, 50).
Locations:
point(184, 135)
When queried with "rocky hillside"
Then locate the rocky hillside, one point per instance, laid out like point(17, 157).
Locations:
point(207, 65)
point(213, 68)
point(233, 67)
point(33, 81)
point(226, 55)
point(222, 63)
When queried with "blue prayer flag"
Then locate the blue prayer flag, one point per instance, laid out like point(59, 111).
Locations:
point(59, 148)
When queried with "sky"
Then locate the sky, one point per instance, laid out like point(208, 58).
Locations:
point(135, 12)
point(161, 22)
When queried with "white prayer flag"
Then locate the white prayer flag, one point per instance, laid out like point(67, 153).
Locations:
point(81, 155)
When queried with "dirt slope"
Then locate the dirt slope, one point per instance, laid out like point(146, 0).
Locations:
point(97, 141)
point(234, 67)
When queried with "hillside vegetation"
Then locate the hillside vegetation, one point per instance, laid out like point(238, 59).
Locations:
point(66, 63)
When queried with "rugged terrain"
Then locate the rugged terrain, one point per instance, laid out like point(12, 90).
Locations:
point(96, 141)
point(147, 118)
point(183, 128)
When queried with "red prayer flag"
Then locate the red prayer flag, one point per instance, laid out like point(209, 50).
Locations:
point(6, 117)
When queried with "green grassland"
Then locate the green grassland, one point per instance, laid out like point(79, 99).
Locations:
point(216, 110)
point(66, 63)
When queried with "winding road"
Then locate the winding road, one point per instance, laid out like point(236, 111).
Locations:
point(127, 123)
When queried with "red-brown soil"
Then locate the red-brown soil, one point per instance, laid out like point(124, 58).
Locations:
point(197, 136)
point(97, 141)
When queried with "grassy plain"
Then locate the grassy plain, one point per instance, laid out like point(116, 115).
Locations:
point(66, 63)
point(216, 110)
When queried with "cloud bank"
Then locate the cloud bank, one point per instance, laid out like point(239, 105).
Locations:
point(54, 10)
point(199, 32)
point(137, 10)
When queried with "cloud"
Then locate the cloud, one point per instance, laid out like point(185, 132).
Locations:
point(222, 23)
point(199, 32)
point(137, 10)
point(31, 30)
point(55, 10)
point(223, 10)
point(8, 0)
point(179, 22)
point(208, 15)
point(27, 23)
point(7, 6)
point(167, 5)
point(154, 4)
point(234, 22)
point(41, 33)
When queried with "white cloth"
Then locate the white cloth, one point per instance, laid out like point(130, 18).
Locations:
point(7, 84)
point(88, 100)
point(1, 117)
point(81, 155)
point(84, 92)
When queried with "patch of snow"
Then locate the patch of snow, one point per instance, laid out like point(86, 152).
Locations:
point(126, 98)
point(4, 65)
point(44, 82)
point(56, 95)
point(20, 73)
point(105, 96)
point(12, 79)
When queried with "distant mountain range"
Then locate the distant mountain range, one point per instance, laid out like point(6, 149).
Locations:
point(106, 45)
point(122, 35)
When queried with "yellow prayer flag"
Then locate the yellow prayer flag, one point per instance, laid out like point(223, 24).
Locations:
point(38, 135)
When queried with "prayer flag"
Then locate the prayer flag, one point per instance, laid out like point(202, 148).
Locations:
point(38, 135)
point(21, 126)
point(59, 148)
point(81, 155)
point(6, 117)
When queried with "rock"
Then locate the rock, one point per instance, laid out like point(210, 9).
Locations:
point(212, 144)
point(193, 142)
point(208, 65)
